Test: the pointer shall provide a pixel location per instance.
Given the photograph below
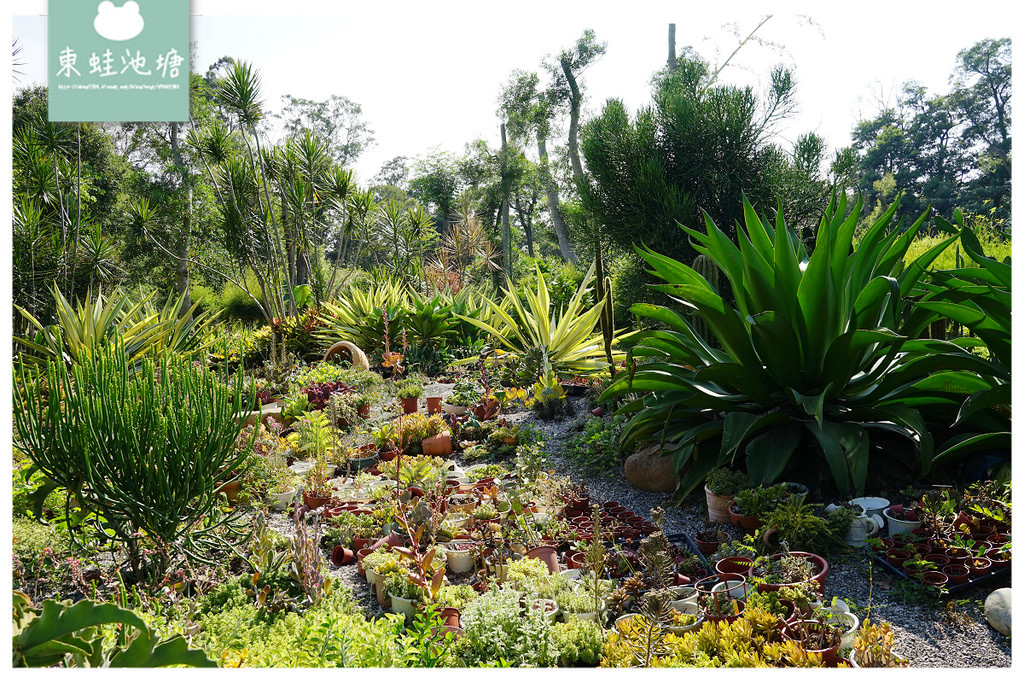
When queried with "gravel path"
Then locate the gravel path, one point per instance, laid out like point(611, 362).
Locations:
point(953, 635)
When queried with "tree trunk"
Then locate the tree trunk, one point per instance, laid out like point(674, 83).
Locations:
point(506, 232)
point(527, 223)
point(672, 64)
point(561, 232)
point(575, 100)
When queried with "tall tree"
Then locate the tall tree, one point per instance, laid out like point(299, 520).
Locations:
point(528, 112)
point(336, 120)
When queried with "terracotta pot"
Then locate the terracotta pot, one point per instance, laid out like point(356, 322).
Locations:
point(818, 578)
point(433, 405)
point(897, 557)
point(383, 599)
point(314, 502)
point(718, 506)
point(735, 564)
point(711, 616)
point(388, 455)
point(708, 542)
point(438, 445)
point(937, 579)
point(579, 560)
point(744, 521)
point(979, 566)
point(342, 555)
point(410, 405)
point(956, 573)
point(231, 490)
point(548, 554)
point(358, 543)
point(450, 616)
point(792, 632)
point(958, 555)
point(364, 411)
point(360, 554)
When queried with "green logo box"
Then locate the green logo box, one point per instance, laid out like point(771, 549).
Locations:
point(126, 60)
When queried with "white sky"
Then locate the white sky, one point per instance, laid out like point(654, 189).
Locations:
point(428, 73)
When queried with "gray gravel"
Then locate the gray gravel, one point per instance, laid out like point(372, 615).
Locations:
point(929, 635)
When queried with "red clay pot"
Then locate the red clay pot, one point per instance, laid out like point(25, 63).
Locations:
point(314, 502)
point(342, 555)
point(433, 404)
point(979, 566)
point(548, 554)
point(360, 554)
point(734, 565)
point(410, 405)
point(956, 573)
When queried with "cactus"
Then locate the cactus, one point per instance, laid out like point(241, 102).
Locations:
point(707, 269)
point(604, 293)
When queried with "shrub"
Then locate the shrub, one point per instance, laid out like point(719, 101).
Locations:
point(597, 446)
point(726, 482)
point(145, 449)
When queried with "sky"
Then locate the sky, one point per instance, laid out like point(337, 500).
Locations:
point(428, 74)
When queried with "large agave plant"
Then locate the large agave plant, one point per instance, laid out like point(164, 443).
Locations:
point(532, 328)
point(816, 357)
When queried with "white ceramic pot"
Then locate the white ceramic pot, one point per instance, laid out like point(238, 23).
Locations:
point(371, 576)
point(459, 561)
point(692, 609)
point(899, 526)
point(850, 623)
point(548, 607)
point(403, 606)
point(737, 590)
point(283, 500)
point(862, 528)
point(684, 595)
point(586, 616)
point(871, 505)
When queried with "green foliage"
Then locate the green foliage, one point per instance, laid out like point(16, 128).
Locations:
point(496, 629)
point(62, 633)
point(819, 352)
point(726, 482)
point(597, 446)
point(579, 643)
point(144, 449)
point(797, 525)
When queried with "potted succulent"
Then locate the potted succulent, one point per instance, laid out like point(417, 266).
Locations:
point(408, 392)
point(405, 596)
point(816, 635)
point(465, 393)
point(710, 540)
point(873, 647)
point(461, 556)
point(316, 489)
point(720, 486)
point(506, 434)
point(720, 607)
point(901, 519)
point(788, 569)
point(751, 506)
point(580, 606)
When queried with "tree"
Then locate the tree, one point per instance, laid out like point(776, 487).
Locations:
point(527, 112)
point(701, 147)
point(435, 180)
point(336, 120)
point(571, 65)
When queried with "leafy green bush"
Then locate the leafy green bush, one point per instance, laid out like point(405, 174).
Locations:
point(597, 447)
point(820, 355)
point(145, 449)
point(726, 482)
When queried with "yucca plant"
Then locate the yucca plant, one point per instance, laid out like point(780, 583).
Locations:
point(816, 352)
point(532, 329)
point(96, 321)
point(143, 449)
point(358, 316)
